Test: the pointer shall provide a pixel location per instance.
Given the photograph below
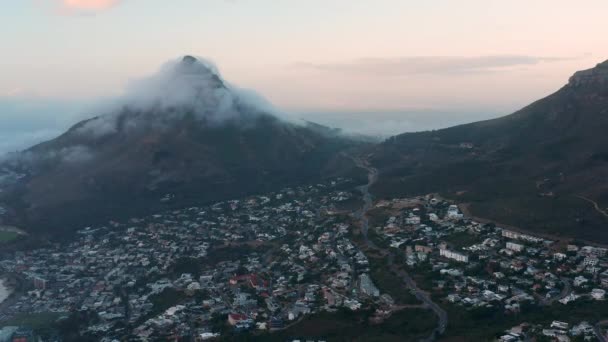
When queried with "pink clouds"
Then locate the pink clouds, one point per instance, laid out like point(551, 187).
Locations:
point(87, 6)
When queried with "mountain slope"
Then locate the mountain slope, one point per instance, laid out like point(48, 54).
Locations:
point(205, 142)
point(528, 169)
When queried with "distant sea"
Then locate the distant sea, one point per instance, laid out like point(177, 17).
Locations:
point(383, 124)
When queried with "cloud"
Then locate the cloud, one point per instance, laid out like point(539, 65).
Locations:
point(438, 65)
point(184, 87)
point(83, 6)
point(90, 5)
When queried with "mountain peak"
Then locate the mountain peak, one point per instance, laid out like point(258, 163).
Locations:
point(189, 59)
point(597, 76)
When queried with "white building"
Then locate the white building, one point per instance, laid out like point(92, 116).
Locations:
point(572, 248)
point(559, 325)
point(413, 220)
point(453, 212)
point(580, 280)
point(591, 261)
point(595, 251)
point(454, 255)
point(598, 294)
point(515, 246)
point(367, 286)
point(509, 234)
point(559, 256)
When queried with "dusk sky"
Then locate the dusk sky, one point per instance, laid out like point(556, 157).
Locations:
point(480, 56)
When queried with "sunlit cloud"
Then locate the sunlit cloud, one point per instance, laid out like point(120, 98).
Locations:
point(90, 5)
point(82, 6)
point(441, 65)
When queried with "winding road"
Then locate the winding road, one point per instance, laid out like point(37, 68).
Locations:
point(598, 331)
point(442, 316)
point(596, 206)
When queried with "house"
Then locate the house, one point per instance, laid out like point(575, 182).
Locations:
point(235, 319)
point(510, 234)
point(453, 212)
point(580, 280)
point(423, 249)
point(209, 336)
point(559, 325)
point(591, 261)
point(598, 294)
point(572, 248)
point(367, 286)
point(515, 246)
point(559, 256)
point(453, 255)
point(412, 220)
point(23, 335)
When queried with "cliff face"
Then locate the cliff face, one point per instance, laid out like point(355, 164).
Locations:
point(597, 76)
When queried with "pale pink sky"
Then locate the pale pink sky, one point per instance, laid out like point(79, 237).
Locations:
point(314, 54)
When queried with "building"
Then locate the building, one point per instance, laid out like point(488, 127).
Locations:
point(367, 286)
point(23, 335)
point(454, 255)
point(453, 212)
point(6, 333)
point(593, 251)
point(572, 248)
point(559, 325)
point(276, 323)
point(591, 261)
point(580, 280)
point(509, 234)
point(412, 220)
point(234, 319)
point(423, 249)
point(598, 294)
point(515, 246)
point(40, 283)
point(559, 256)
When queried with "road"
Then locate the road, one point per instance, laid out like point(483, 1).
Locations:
point(596, 206)
point(565, 292)
point(442, 316)
point(598, 331)
point(372, 177)
point(422, 296)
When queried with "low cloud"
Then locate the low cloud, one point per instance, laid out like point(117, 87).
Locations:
point(182, 87)
point(432, 65)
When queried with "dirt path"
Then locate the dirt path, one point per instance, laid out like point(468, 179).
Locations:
point(595, 205)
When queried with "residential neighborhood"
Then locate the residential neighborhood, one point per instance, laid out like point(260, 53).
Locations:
point(263, 263)
point(473, 265)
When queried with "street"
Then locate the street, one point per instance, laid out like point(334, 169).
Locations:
point(442, 316)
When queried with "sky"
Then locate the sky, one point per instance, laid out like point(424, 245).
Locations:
point(436, 62)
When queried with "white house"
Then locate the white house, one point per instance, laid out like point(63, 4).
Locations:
point(598, 294)
point(454, 255)
point(515, 246)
